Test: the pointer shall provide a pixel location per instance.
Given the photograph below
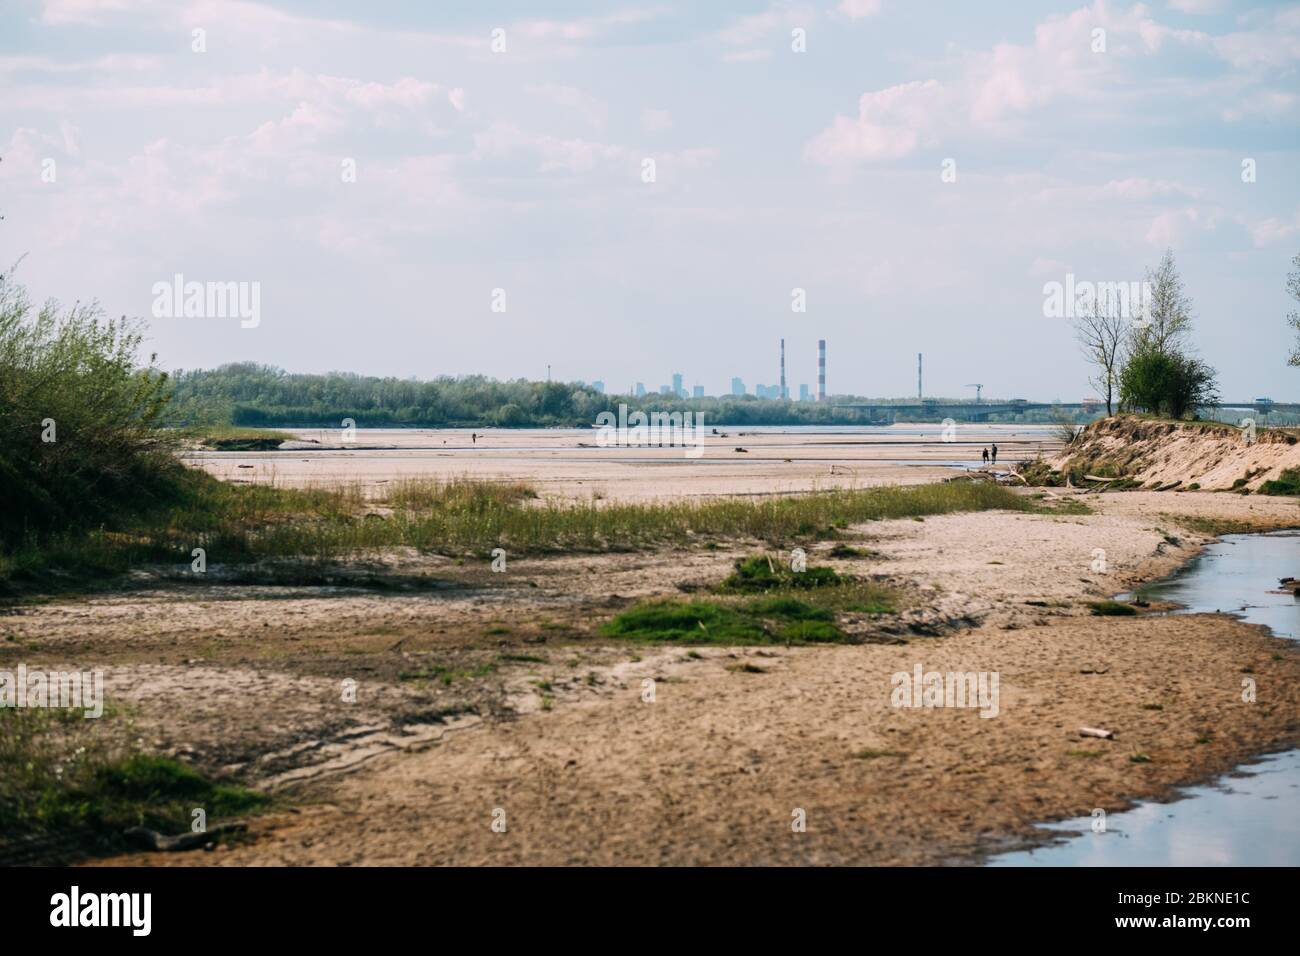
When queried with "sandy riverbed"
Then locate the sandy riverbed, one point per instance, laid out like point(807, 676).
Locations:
point(568, 462)
point(556, 732)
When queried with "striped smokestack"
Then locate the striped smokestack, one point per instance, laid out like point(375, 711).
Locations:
point(821, 370)
point(784, 394)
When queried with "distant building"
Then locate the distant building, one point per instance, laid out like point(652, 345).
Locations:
point(737, 387)
point(803, 393)
point(640, 389)
point(665, 390)
point(767, 391)
point(677, 385)
point(599, 386)
point(698, 391)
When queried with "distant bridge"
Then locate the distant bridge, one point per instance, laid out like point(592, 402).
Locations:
point(982, 411)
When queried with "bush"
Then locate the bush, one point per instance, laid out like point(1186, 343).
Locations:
point(78, 435)
point(1287, 483)
point(1166, 384)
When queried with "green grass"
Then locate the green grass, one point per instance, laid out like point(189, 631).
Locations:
point(1112, 609)
point(763, 573)
point(1288, 483)
point(773, 619)
point(247, 524)
point(762, 602)
point(89, 794)
point(687, 622)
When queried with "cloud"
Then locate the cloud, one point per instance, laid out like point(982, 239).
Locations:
point(857, 9)
point(552, 153)
point(755, 30)
point(595, 111)
point(61, 12)
point(1196, 6)
point(1004, 92)
point(890, 124)
point(584, 28)
point(1275, 230)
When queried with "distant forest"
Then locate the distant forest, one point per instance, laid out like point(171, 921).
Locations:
point(255, 395)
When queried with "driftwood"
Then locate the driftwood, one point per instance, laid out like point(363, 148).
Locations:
point(148, 839)
point(1096, 732)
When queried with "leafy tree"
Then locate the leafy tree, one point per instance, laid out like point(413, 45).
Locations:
point(1169, 311)
point(1171, 385)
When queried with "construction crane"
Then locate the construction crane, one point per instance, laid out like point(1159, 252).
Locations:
point(978, 388)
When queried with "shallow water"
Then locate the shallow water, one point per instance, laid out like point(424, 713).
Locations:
point(1248, 818)
point(1236, 576)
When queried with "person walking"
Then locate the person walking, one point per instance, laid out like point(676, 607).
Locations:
point(985, 453)
point(995, 453)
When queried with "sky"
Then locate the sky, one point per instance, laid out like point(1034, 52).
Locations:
point(621, 191)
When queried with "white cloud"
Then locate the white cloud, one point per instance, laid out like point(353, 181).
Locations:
point(1196, 6)
point(857, 9)
point(891, 123)
point(1275, 230)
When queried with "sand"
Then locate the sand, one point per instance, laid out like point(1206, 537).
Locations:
point(554, 460)
point(559, 737)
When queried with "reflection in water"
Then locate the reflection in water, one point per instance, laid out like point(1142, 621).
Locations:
point(1243, 820)
point(1250, 818)
point(1236, 575)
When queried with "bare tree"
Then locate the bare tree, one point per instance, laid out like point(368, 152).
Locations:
point(1104, 332)
point(1293, 317)
point(1168, 318)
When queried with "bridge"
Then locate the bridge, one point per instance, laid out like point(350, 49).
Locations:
point(982, 411)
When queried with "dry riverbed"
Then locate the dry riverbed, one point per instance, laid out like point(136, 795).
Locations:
point(481, 692)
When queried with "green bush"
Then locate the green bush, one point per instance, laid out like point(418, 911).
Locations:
point(1287, 483)
point(1166, 384)
point(78, 435)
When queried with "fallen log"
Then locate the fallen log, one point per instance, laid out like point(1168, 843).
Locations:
point(1096, 732)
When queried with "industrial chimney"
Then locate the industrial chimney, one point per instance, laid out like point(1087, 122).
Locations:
point(821, 370)
point(920, 395)
point(784, 394)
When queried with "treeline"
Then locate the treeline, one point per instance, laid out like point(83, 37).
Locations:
point(252, 395)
